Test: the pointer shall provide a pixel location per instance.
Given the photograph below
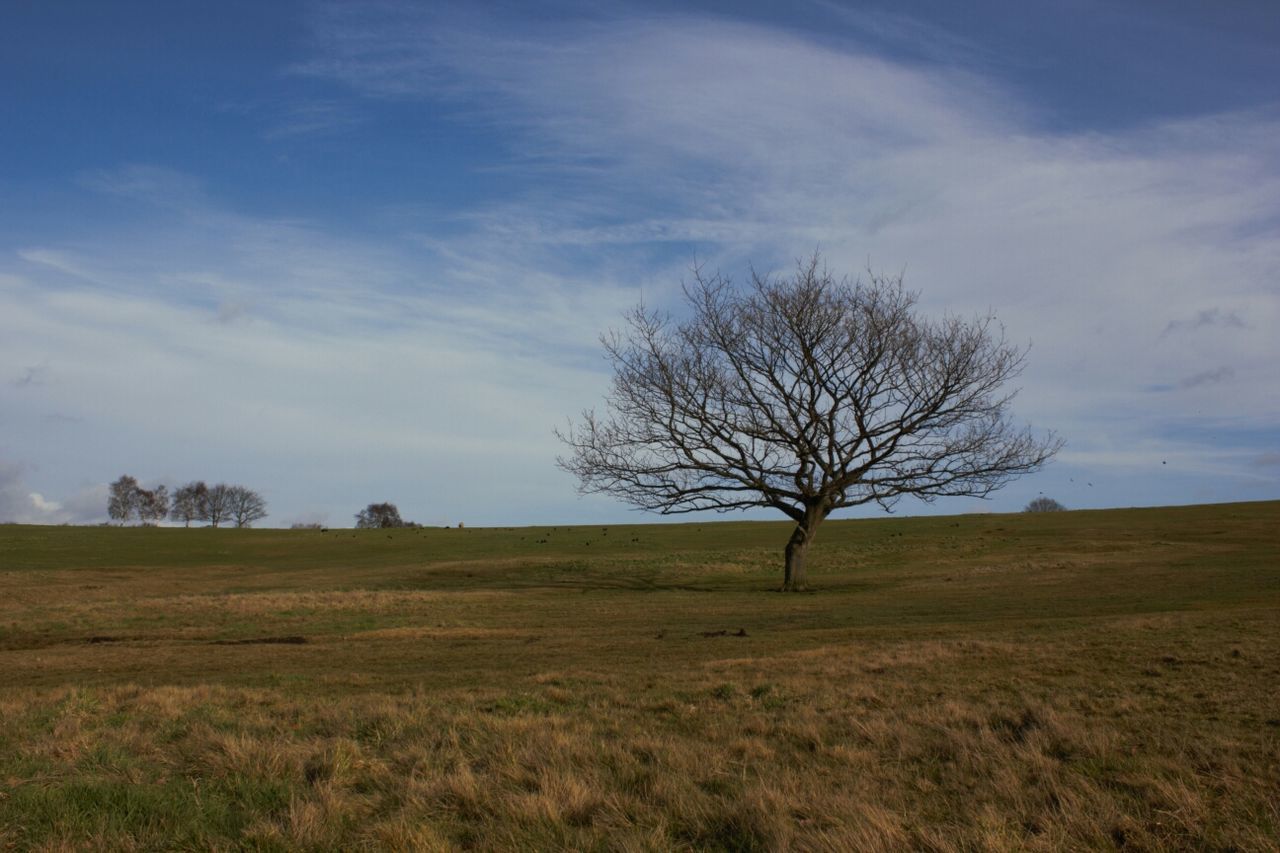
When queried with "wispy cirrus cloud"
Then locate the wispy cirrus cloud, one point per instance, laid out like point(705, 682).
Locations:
point(312, 117)
point(156, 185)
point(60, 261)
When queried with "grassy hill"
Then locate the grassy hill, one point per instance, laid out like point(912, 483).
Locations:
point(1091, 679)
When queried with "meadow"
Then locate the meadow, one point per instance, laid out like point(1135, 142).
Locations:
point(1082, 680)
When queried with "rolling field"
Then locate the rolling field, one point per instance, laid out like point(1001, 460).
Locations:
point(1082, 680)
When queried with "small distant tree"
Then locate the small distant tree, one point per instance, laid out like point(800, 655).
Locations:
point(1043, 504)
point(190, 503)
point(380, 515)
point(123, 499)
point(245, 506)
point(217, 503)
point(153, 505)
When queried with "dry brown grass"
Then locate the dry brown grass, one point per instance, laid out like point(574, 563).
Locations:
point(930, 744)
point(1079, 699)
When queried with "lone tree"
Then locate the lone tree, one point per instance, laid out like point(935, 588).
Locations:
point(1043, 504)
point(380, 515)
point(806, 394)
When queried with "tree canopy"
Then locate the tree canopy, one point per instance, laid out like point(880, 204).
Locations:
point(380, 515)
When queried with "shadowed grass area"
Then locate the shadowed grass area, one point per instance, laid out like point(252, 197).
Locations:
point(1053, 680)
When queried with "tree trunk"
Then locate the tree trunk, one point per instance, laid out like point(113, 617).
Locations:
point(798, 548)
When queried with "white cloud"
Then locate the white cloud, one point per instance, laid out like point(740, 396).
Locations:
point(427, 366)
point(38, 501)
point(227, 361)
point(20, 505)
point(755, 144)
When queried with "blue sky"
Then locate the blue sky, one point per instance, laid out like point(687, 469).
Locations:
point(354, 252)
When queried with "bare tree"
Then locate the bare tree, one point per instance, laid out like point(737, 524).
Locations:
point(245, 506)
point(153, 505)
point(217, 503)
point(1043, 504)
point(380, 515)
point(190, 503)
point(805, 394)
point(123, 499)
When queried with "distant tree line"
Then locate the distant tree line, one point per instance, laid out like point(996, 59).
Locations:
point(218, 504)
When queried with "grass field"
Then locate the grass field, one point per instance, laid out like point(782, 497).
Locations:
point(1096, 680)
